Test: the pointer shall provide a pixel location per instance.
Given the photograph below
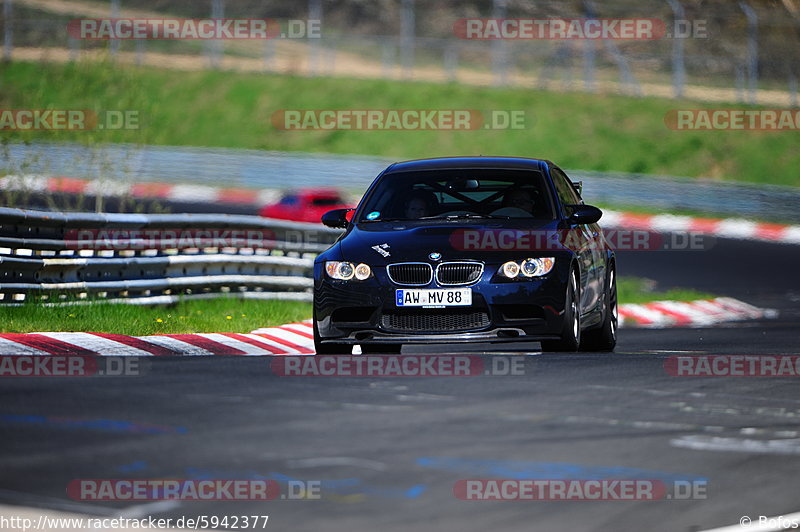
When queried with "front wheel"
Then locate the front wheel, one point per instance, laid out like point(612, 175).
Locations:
point(604, 338)
point(329, 348)
point(571, 331)
point(333, 349)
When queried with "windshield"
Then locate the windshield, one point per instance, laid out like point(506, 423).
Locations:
point(463, 193)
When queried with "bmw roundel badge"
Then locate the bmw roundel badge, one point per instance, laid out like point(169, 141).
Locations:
point(435, 256)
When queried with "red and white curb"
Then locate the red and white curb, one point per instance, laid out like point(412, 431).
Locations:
point(290, 339)
point(720, 227)
point(143, 190)
point(298, 338)
point(699, 313)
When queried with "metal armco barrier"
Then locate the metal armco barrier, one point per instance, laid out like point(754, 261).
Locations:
point(251, 169)
point(53, 257)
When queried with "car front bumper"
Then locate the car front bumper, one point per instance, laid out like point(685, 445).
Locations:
point(365, 312)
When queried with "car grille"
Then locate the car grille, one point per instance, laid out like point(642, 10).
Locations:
point(435, 322)
point(458, 273)
point(410, 273)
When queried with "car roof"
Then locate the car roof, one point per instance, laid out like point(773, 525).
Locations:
point(446, 163)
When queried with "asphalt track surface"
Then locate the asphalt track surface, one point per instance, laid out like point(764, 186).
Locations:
point(390, 450)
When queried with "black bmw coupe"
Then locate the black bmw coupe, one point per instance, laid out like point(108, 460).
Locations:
point(467, 249)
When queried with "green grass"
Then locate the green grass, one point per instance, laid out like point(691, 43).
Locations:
point(193, 316)
point(221, 314)
point(637, 290)
point(228, 109)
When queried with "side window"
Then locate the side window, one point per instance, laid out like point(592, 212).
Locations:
point(566, 192)
point(326, 201)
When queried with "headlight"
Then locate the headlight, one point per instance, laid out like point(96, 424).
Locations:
point(537, 267)
point(527, 268)
point(510, 269)
point(363, 272)
point(347, 270)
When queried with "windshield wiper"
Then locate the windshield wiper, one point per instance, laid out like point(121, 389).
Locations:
point(491, 216)
point(440, 217)
point(468, 216)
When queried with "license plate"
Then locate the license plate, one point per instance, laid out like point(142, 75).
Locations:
point(452, 297)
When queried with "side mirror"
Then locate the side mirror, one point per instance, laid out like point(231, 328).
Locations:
point(584, 214)
point(337, 218)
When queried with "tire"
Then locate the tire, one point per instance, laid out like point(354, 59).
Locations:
point(571, 331)
point(604, 338)
point(329, 348)
point(382, 349)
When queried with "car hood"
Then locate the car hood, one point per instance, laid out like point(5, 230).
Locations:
point(386, 242)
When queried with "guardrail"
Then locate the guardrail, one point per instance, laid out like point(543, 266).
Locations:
point(56, 257)
point(112, 168)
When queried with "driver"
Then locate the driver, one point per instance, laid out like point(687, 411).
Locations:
point(519, 198)
point(420, 203)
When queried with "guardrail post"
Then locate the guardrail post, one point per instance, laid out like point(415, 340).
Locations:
point(114, 14)
point(678, 66)
point(499, 47)
point(407, 23)
point(8, 30)
point(752, 50)
point(588, 54)
point(451, 59)
point(738, 81)
point(140, 50)
point(269, 53)
point(314, 13)
point(388, 58)
point(217, 46)
point(73, 46)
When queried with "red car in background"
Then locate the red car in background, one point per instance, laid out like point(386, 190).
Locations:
point(306, 205)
